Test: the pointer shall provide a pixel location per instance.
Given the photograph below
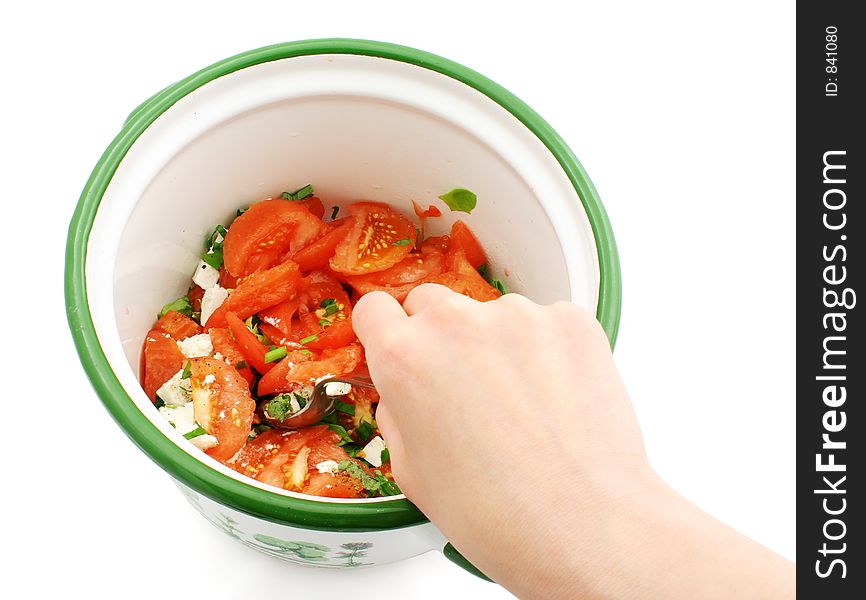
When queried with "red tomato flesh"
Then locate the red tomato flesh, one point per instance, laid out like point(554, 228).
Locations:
point(289, 374)
point(259, 291)
point(380, 237)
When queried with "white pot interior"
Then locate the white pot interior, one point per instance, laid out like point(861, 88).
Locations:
point(355, 127)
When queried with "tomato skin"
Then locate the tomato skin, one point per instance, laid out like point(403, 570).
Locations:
point(317, 254)
point(462, 238)
point(289, 374)
point(314, 205)
point(369, 246)
point(259, 291)
point(411, 269)
point(339, 485)
point(269, 228)
point(422, 213)
point(195, 294)
point(251, 348)
point(161, 360)
point(224, 344)
point(177, 325)
point(222, 404)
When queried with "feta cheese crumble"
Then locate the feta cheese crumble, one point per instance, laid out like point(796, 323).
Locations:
point(372, 452)
point(176, 391)
point(337, 388)
point(209, 379)
point(212, 300)
point(327, 466)
point(196, 346)
point(205, 276)
point(204, 441)
point(180, 416)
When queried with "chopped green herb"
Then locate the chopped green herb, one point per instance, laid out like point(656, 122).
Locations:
point(302, 401)
point(483, 270)
point(365, 430)
point(187, 370)
point(386, 455)
point(241, 364)
point(242, 210)
point(252, 324)
point(499, 286)
point(345, 438)
point(281, 406)
point(344, 407)
point(275, 354)
point(403, 242)
point(459, 199)
point(199, 430)
point(327, 302)
point(304, 351)
point(330, 306)
point(334, 211)
point(181, 305)
point(308, 339)
point(324, 323)
point(352, 449)
point(158, 403)
point(299, 194)
point(213, 254)
point(379, 484)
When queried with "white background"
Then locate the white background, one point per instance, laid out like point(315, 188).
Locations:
point(682, 113)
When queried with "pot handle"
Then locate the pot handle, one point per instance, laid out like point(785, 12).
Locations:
point(458, 559)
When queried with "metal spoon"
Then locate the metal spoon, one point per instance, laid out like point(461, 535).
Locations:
point(321, 403)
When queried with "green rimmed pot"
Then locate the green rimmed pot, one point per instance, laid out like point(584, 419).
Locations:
point(358, 119)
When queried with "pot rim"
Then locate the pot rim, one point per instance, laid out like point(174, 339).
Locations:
point(310, 514)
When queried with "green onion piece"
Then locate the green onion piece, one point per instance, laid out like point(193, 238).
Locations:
point(344, 407)
point(181, 305)
point(352, 449)
point(459, 199)
point(334, 211)
point(252, 324)
point(213, 254)
point(327, 302)
point(304, 351)
point(302, 402)
point(199, 430)
point(365, 430)
point(403, 242)
point(158, 403)
point(275, 354)
point(241, 364)
point(187, 370)
point(308, 339)
point(499, 286)
point(299, 194)
point(345, 438)
point(484, 271)
point(386, 455)
point(324, 323)
point(242, 210)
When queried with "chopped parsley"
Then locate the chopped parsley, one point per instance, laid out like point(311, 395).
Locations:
point(334, 211)
point(199, 430)
point(187, 370)
point(345, 438)
point(241, 364)
point(344, 407)
point(283, 405)
point(377, 484)
point(181, 305)
point(213, 254)
point(275, 354)
point(299, 194)
point(365, 430)
point(496, 283)
point(460, 199)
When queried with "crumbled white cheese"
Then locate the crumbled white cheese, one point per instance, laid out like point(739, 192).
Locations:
point(180, 416)
point(209, 379)
point(372, 452)
point(204, 441)
point(196, 345)
point(337, 388)
point(205, 276)
point(176, 391)
point(327, 466)
point(212, 300)
point(275, 321)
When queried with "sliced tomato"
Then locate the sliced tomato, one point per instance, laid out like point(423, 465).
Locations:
point(222, 404)
point(290, 374)
point(437, 243)
point(462, 238)
point(314, 205)
point(162, 359)
point(268, 229)
point(231, 353)
point(251, 348)
point(195, 294)
point(380, 237)
point(177, 325)
point(337, 485)
point(414, 267)
point(332, 327)
point(317, 254)
point(430, 211)
point(259, 291)
point(280, 316)
point(227, 280)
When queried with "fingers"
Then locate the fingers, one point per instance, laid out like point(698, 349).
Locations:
point(425, 295)
point(375, 312)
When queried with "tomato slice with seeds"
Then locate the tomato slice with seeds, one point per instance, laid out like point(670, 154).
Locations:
point(380, 237)
point(222, 404)
point(462, 237)
point(251, 348)
point(317, 254)
point(231, 353)
point(267, 231)
point(290, 374)
point(332, 324)
point(259, 291)
point(177, 325)
point(162, 359)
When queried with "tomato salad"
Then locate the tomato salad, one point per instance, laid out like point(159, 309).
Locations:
point(269, 314)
